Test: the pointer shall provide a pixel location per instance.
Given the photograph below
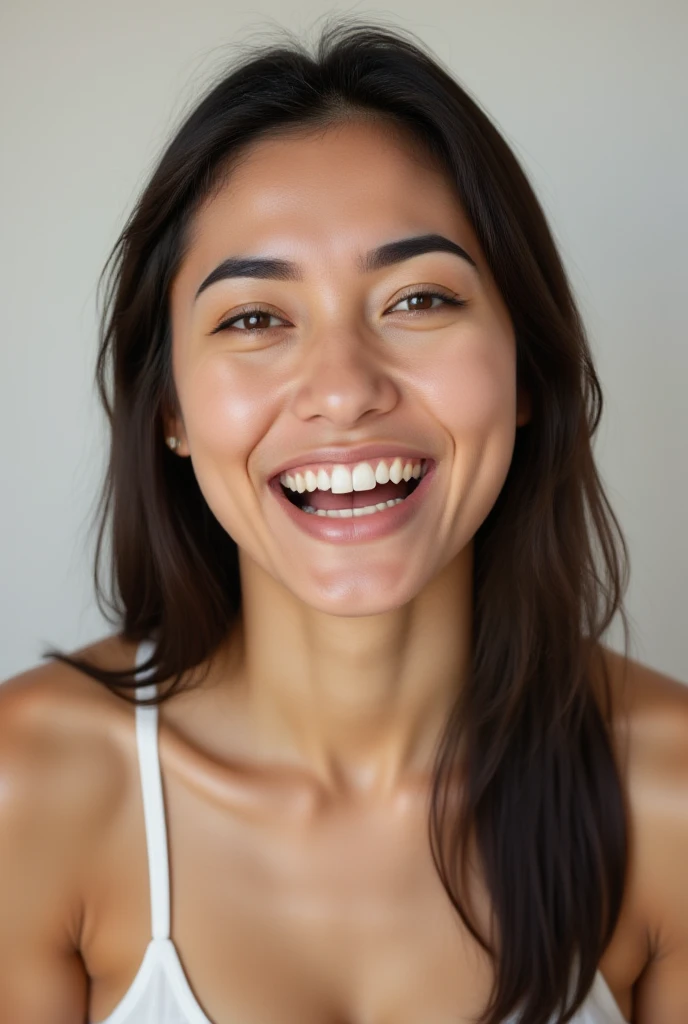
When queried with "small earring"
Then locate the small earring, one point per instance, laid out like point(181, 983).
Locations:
point(173, 442)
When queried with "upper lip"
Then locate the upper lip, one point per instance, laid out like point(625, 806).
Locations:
point(350, 456)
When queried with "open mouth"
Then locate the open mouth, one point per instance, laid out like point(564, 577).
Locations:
point(325, 502)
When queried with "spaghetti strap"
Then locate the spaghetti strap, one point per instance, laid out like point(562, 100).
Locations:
point(153, 803)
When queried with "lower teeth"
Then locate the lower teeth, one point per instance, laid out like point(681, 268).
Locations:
point(347, 513)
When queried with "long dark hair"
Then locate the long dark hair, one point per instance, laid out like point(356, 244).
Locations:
point(540, 789)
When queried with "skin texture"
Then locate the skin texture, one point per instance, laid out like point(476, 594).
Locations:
point(297, 776)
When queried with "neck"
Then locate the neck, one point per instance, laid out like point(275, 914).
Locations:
point(359, 702)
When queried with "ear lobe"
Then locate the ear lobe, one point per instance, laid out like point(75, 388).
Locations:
point(524, 410)
point(174, 434)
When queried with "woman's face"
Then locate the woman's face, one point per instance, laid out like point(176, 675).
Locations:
point(344, 357)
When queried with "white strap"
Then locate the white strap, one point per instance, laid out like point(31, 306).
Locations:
point(153, 802)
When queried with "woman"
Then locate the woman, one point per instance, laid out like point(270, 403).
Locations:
point(362, 564)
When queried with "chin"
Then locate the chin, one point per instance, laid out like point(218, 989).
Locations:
point(354, 594)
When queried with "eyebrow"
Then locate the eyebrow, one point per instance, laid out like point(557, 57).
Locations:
point(375, 259)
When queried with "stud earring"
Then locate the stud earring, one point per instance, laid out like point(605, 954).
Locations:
point(173, 442)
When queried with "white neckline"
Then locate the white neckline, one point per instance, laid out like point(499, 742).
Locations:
point(165, 952)
point(606, 998)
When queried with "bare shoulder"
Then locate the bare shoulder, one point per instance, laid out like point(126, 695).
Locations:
point(650, 720)
point(55, 709)
point(652, 730)
point(64, 778)
point(63, 762)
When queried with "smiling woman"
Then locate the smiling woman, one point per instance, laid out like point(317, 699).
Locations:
point(362, 562)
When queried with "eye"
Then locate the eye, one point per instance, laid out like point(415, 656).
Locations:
point(254, 313)
point(447, 298)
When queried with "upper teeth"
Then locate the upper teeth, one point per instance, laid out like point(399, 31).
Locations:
point(361, 477)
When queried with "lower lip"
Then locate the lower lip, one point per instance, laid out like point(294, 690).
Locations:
point(357, 528)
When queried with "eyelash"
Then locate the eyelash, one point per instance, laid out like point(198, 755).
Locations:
point(226, 324)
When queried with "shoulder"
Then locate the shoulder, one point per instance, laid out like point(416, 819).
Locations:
point(650, 724)
point(54, 717)
point(54, 709)
point(651, 731)
point(64, 770)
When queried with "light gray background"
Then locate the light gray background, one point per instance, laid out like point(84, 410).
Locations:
point(593, 97)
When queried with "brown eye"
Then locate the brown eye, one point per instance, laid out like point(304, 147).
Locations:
point(254, 316)
point(425, 305)
point(421, 301)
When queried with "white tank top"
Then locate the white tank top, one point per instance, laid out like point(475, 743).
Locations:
point(160, 992)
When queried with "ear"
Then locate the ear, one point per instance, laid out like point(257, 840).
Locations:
point(173, 426)
point(524, 409)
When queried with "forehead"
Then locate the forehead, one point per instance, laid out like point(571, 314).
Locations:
point(326, 195)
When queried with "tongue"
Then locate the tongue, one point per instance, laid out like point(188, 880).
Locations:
point(356, 499)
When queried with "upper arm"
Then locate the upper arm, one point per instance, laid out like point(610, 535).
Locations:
point(661, 993)
point(42, 979)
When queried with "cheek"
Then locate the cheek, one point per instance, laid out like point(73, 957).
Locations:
point(473, 396)
point(473, 389)
point(226, 411)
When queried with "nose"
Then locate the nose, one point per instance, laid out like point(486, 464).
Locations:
point(342, 380)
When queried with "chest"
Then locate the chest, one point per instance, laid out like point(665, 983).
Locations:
point(342, 922)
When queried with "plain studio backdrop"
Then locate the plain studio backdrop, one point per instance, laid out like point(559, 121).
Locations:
point(592, 96)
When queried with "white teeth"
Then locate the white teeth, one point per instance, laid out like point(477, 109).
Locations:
point(396, 471)
point(382, 473)
point(346, 513)
point(361, 477)
point(341, 480)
